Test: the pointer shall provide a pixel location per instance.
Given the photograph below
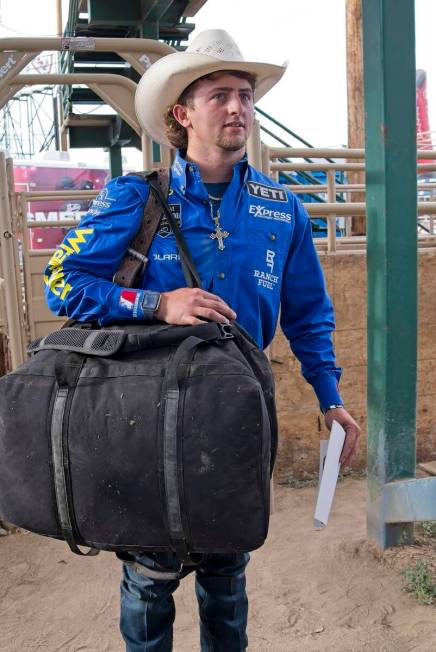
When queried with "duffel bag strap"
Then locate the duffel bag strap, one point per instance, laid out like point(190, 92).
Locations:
point(190, 273)
point(107, 342)
point(157, 573)
point(171, 445)
point(135, 259)
point(67, 369)
point(100, 342)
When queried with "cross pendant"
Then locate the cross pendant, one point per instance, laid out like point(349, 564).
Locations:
point(219, 235)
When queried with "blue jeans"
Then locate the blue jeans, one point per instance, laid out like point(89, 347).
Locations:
point(148, 611)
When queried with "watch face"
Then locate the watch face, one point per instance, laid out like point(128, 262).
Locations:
point(150, 301)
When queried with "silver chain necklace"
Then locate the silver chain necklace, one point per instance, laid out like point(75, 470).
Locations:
point(218, 234)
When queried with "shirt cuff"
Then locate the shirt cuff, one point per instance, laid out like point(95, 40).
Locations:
point(128, 305)
point(327, 390)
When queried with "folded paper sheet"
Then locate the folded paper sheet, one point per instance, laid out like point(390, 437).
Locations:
point(329, 466)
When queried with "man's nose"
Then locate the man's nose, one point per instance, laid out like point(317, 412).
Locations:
point(235, 104)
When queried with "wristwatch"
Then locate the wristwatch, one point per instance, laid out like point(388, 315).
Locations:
point(150, 303)
point(331, 407)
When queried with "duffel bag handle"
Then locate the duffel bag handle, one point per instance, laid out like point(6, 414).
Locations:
point(104, 343)
point(176, 335)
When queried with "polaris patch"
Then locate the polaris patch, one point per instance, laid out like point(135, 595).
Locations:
point(164, 226)
point(266, 192)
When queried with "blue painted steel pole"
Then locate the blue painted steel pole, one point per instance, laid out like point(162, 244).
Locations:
point(390, 106)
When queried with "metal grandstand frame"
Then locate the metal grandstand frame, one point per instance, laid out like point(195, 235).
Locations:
point(115, 90)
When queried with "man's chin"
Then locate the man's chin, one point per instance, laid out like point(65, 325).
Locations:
point(232, 144)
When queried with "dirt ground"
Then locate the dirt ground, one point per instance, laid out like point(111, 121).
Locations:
point(309, 590)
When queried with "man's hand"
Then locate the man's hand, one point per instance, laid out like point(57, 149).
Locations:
point(352, 433)
point(193, 306)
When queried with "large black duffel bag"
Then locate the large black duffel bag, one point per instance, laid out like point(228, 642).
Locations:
point(140, 437)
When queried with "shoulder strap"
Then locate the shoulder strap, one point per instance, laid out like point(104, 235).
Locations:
point(190, 273)
point(135, 258)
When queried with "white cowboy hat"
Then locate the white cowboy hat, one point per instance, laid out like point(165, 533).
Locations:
point(210, 51)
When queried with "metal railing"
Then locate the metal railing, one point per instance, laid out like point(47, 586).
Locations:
point(273, 165)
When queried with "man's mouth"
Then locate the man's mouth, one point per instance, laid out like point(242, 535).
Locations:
point(235, 124)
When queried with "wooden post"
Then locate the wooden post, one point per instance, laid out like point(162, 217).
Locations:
point(356, 118)
point(5, 365)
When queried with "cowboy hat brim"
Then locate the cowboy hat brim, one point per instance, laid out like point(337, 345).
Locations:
point(162, 84)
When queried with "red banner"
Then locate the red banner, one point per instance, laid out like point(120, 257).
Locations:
point(423, 135)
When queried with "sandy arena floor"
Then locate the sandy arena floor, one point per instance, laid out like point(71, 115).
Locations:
point(309, 591)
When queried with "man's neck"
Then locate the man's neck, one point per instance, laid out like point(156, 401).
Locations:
point(215, 166)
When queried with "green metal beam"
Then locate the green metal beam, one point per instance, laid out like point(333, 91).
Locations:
point(89, 136)
point(112, 12)
point(154, 9)
point(156, 153)
point(150, 29)
point(115, 161)
point(389, 73)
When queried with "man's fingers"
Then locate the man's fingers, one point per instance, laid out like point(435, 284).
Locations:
point(218, 306)
point(212, 315)
point(193, 321)
point(350, 446)
point(203, 298)
point(208, 295)
point(193, 306)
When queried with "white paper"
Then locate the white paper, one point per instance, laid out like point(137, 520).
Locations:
point(329, 471)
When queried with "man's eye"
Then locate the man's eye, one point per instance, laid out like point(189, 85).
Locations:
point(246, 97)
point(220, 97)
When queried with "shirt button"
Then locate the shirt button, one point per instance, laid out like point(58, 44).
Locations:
point(221, 275)
point(272, 236)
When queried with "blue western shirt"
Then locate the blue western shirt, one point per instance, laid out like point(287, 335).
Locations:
point(269, 262)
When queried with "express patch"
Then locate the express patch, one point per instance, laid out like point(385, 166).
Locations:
point(267, 213)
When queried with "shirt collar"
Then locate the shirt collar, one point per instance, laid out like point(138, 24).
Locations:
point(182, 171)
point(178, 172)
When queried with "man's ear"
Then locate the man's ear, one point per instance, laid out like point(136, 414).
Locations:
point(181, 114)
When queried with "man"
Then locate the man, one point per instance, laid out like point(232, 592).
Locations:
point(251, 242)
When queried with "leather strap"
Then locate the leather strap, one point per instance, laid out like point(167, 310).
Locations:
point(135, 259)
point(67, 370)
point(190, 273)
